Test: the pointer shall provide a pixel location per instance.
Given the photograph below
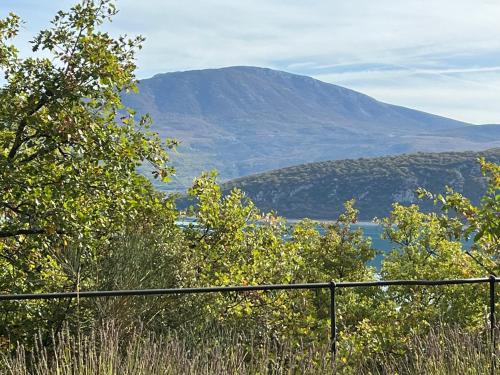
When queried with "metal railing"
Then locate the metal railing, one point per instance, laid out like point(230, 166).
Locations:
point(331, 286)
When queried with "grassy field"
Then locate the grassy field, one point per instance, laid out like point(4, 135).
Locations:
point(108, 350)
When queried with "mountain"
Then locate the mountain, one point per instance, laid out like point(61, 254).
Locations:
point(318, 190)
point(243, 120)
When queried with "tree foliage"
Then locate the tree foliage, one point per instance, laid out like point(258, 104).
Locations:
point(69, 150)
point(481, 222)
point(233, 243)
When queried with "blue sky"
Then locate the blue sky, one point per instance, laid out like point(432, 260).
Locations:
point(439, 56)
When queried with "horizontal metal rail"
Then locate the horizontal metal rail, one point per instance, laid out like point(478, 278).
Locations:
point(239, 288)
point(353, 284)
point(149, 292)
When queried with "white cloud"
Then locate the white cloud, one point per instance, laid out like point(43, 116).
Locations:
point(452, 44)
point(473, 98)
point(217, 33)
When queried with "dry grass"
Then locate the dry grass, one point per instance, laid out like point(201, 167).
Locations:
point(109, 351)
point(441, 352)
point(104, 352)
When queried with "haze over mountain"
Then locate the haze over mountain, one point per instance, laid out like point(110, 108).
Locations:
point(319, 190)
point(243, 120)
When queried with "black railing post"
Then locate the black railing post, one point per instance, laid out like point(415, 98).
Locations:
point(333, 322)
point(492, 281)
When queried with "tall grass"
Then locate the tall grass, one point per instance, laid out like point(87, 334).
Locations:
point(441, 352)
point(107, 351)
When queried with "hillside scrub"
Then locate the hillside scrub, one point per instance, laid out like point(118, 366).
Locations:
point(75, 215)
point(319, 190)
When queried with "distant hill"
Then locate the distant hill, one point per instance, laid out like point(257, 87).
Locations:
point(243, 120)
point(318, 190)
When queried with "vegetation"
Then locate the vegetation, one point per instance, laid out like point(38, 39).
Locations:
point(439, 352)
point(318, 190)
point(75, 215)
point(68, 159)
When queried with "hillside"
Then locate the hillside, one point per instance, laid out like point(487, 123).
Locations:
point(243, 120)
point(318, 190)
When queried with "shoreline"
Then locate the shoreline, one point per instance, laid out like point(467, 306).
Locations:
point(294, 221)
point(329, 221)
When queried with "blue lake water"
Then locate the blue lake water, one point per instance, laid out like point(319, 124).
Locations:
point(383, 246)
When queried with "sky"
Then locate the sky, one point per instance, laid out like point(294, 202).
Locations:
point(438, 56)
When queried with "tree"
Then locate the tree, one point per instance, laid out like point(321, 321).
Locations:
point(481, 223)
point(69, 152)
point(425, 249)
point(233, 243)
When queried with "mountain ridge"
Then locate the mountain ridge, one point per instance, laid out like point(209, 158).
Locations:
point(244, 120)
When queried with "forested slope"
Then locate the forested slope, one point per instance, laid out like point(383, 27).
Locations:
point(318, 190)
